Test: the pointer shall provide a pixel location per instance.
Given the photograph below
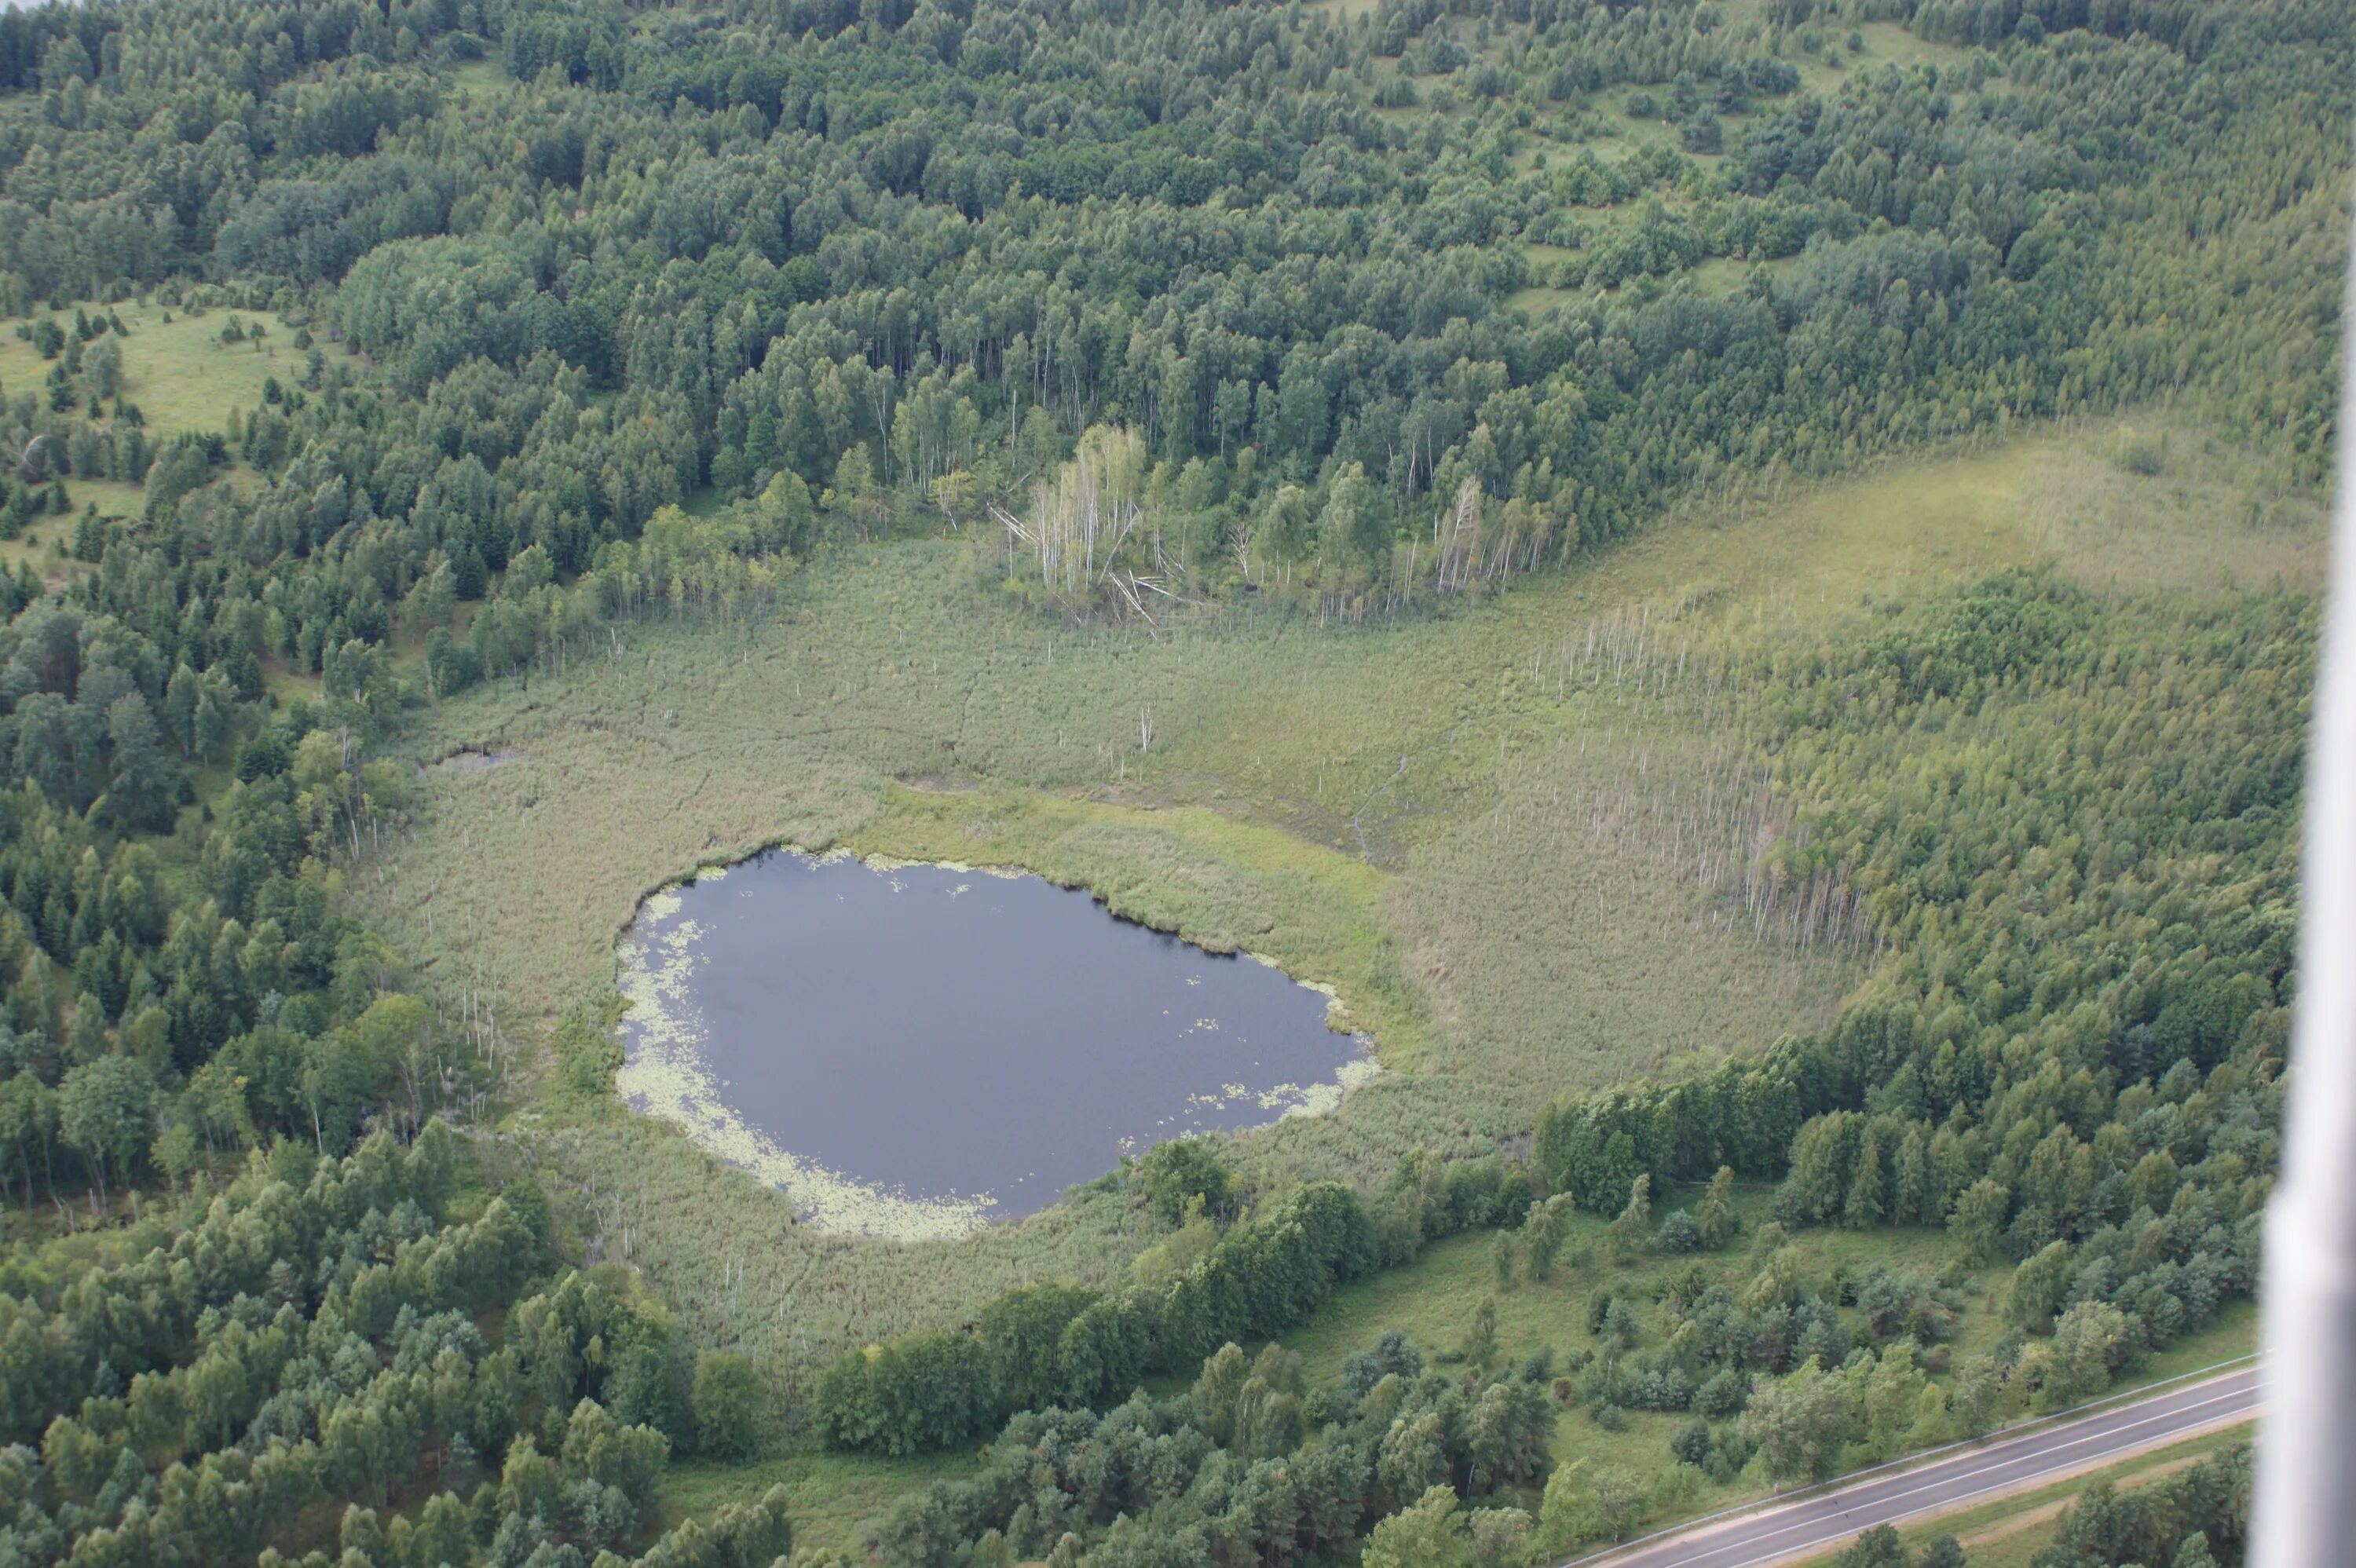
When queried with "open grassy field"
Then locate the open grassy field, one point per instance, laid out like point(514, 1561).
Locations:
point(1490, 831)
point(1435, 1300)
point(179, 372)
point(47, 541)
point(831, 1496)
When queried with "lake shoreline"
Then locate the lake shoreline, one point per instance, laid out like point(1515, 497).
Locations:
point(811, 1073)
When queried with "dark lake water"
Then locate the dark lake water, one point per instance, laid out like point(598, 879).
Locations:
point(920, 1050)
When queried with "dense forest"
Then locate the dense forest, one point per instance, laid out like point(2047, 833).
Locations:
point(598, 313)
point(280, 1359)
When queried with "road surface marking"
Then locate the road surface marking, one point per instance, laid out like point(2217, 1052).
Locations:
point(1936, 1482)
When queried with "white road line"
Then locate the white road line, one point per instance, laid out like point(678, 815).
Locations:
point(1941, 1482)
point(2124, 1402)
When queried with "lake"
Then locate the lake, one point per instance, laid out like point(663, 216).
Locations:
point(920, 1050)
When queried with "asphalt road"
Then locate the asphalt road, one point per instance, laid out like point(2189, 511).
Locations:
point(1830, 1520)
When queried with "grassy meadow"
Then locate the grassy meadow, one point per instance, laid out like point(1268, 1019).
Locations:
point(181, 376)
point(1495, 834)
point(179, 372)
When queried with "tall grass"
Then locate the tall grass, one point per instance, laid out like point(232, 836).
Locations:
point(1517, 839)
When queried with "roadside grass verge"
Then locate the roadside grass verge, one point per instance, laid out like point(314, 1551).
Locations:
point(2009, 1532)
point(1436, 1300)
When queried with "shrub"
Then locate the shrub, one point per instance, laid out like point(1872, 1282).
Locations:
point(1180, 1171)
point(731, 1404)
point(1723, 1393)
point(1679, 1233)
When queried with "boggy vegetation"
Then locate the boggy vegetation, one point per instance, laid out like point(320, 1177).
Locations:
point(2079, 1038)
point(611, 316)
point(512, 478)
point(1968, 689)
point(2100, 1106)
point(797, 1301)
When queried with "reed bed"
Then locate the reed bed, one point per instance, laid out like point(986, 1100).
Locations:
point(1524, 842)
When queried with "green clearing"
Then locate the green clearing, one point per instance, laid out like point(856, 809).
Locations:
point(39, 546)
point(1435, 1298)
point(179, 372)
point(48, 540)
point(1886, 43)
point(481, 76)
point(1538, 299)
point(1724, 275)
point(112, 497)
point(831, 1494)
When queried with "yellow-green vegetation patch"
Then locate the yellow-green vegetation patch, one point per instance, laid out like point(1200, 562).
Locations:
point(1567, 936)
point(831, 1496)
point(112, 497)
point(1539, 298)
point(179, 372)
point(1437, 1299)
point(1227, 885)
point(1724, 275)
point(1823, 68)
point(47, 541)
point(39, 548)
point(480, 76)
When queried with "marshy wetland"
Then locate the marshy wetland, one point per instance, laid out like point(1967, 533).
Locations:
point(1510, 934)
point(1519, 918)
point(917, 1051)
point(1627, 685)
